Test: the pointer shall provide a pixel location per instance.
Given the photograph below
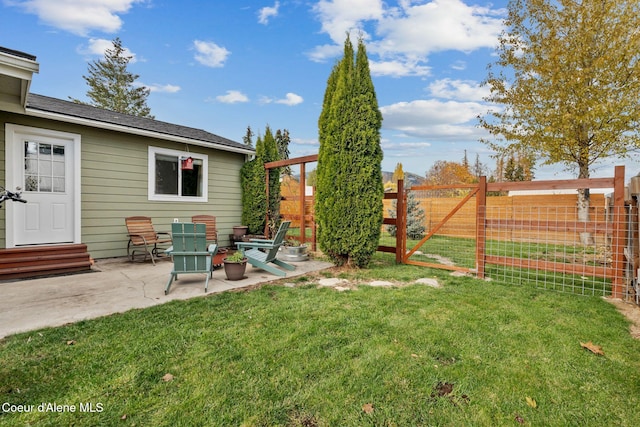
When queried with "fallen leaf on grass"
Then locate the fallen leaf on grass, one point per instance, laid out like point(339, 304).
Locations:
point(595, 349)
point(367, 408)
point(167, 377)
point(531, 402)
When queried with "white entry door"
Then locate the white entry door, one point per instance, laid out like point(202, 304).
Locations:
point(44, 166)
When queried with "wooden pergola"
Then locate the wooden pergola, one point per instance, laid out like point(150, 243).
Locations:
point(302, 161)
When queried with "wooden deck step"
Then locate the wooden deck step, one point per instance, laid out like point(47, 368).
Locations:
point(34, 261)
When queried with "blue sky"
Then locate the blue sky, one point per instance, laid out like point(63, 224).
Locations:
point(223, 65)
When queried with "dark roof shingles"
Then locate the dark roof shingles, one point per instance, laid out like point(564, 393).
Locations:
point(68, 108)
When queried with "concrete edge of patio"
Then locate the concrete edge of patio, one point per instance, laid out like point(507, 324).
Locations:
point(114, 286)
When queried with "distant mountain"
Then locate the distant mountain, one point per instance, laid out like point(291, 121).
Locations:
point(409, 178)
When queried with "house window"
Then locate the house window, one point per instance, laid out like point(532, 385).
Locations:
point(170, 181)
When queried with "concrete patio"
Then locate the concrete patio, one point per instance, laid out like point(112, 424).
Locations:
point(114, 286)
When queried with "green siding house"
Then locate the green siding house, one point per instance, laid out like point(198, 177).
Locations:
point(83, 170)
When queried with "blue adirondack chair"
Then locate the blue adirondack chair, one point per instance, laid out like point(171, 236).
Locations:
point(189, 252)
point(261, 253)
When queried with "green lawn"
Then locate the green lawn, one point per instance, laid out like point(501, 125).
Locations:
point(469, 353)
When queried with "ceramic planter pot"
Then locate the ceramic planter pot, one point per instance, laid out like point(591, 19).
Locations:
point(293, 253)
point(240, 230)
point(235, 269)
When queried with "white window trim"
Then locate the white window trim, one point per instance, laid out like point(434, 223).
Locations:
point(170, 198)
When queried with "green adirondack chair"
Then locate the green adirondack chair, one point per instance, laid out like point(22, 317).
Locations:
point(261, 253)
point(189, 252)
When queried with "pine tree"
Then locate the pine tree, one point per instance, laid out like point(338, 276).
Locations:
point(111, 85)
point(248, 137)
point(349, 188)
point(283, 139)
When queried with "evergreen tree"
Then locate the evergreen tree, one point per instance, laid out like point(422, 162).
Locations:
point(253, 176)
point(282, 141)
point(271, 154)
point(111, 85)
point(254, 197)
point(248, 137)
point(415, 217)
point(349, 188)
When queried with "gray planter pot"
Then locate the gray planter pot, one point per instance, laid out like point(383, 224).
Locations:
point(293, 253)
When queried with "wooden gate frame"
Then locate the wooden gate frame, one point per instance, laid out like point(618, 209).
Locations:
point(481, 189)
point(475, 189)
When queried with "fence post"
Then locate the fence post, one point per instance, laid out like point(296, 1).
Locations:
point(618, 239)
point(481, 214)
point(401, 224)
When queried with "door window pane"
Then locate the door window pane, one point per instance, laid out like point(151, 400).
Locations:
point(44, 166)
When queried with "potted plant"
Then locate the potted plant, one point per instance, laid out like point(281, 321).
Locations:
point(235, 265)
point(292, 250)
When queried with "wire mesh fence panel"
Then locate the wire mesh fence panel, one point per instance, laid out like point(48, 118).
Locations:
point(546, 246)
point(535, 240)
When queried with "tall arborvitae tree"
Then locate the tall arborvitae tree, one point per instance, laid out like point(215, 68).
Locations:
point(254, 196)
point(271, 154)
point(349, 196)
point(253, 176)
point(111, 85)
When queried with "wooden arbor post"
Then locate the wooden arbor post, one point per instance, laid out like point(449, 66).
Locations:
point(302, 161)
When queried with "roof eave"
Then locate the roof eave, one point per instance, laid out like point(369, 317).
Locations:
point(134, 131)
point(21, 68)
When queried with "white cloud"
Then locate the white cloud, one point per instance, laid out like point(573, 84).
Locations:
point(439, 25)
point(168, 88)
point(268, 12)
point(290, 99)
point(398, 69)
point(341, 16)
point(403, 37)
point(321, 53)
point(97, 47)
point(461, 90)
point(210, 54)
point(402, 146)
point(433, 119)
point(308, 141)
point(232, 97)
point(79, 16)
